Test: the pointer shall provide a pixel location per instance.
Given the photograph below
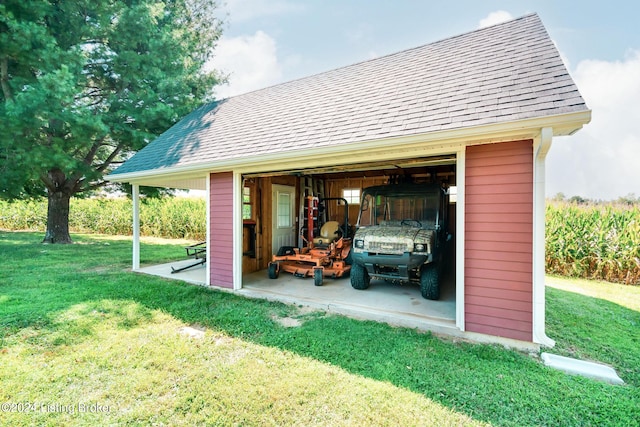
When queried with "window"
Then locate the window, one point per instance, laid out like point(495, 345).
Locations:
point(351, 195)
point(284, 210)
point(453, 194)
point(246, 203)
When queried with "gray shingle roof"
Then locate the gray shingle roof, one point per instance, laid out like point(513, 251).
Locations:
point(507, 72)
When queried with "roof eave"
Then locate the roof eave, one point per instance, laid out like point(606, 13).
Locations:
point(435, 142)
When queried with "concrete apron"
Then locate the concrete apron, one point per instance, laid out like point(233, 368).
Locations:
point(397, 305)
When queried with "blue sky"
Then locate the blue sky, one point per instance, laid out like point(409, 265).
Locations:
point(266, 42)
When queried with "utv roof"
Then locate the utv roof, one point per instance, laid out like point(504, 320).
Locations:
point(404, 188)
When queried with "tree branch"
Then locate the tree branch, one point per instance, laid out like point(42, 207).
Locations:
point(96, 185)
point(88, 159)
point(109, 159)
point(47, 182)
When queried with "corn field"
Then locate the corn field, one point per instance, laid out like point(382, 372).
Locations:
point(594, 242)
point(180, 218)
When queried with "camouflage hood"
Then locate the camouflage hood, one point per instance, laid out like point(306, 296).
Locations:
point(395, 239)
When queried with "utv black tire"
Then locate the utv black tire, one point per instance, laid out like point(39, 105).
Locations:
point(359, 277)
point(273, 270)
point(430, 282)
point(318, 277)
point(285, 250)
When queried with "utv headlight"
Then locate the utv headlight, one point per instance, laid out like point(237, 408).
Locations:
point(359, 243)
point(419, 247)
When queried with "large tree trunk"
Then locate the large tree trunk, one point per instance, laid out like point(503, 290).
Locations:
point(58, 218)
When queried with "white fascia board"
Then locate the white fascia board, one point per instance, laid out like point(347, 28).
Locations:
point(431, 143)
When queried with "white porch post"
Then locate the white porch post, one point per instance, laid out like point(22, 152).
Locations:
point(460, 236)
point(541, 147)
point(207, 280)
point(136, 226)
point(237, 230)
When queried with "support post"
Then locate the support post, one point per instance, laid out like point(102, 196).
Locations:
point(208, 232)
point(237, 231)
point(136, 226)
point(460, 236)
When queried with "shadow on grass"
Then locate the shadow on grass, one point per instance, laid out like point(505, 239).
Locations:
point(42, 284)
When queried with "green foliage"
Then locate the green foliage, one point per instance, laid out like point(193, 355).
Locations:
point(84, 84)
point(596, 242)
point(90, 331)
point(171, 217)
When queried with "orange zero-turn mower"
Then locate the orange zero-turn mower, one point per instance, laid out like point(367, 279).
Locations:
point(327, 255)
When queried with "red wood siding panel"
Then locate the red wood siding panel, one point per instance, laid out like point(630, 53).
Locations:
point(220, 244)
point(499, 239)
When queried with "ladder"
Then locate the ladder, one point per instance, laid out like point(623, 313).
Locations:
point(314, 188)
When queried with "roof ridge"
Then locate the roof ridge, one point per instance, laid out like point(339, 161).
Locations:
point(466, 33)
point(504, 73)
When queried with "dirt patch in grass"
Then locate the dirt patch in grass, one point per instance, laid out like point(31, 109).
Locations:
point(297, 319)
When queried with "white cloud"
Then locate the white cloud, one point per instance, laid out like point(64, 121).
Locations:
point(250, 61)
point(601, 160)
point(495, 18)
point(246, 10)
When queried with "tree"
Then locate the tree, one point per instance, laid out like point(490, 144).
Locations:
point(86, 83)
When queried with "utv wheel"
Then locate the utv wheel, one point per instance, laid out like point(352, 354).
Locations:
point(359, 277)
point(430, 282)
point(273, 270)
point(317, 277)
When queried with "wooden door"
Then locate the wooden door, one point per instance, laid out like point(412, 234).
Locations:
point(284, 227)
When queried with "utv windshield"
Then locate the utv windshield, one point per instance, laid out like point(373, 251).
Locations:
point(411, 208)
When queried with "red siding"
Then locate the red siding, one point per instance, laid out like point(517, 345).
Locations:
point(221, 222)
point(499, 239)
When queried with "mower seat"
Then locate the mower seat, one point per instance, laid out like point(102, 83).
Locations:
point(329, 233)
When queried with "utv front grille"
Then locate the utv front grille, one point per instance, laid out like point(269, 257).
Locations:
point(387, 247)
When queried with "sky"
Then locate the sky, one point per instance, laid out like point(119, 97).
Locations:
point(266, 42)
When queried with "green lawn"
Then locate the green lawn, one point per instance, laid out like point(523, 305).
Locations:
point(85, 342)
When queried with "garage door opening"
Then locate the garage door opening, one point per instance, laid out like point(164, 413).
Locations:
point(274, 211)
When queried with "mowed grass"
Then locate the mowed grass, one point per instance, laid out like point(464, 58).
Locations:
point(83, 341)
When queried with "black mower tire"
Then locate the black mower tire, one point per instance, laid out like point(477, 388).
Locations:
point(349, 259)
point(359, 277)
point(285, 250)
point(430, 282)
point(318, 277)
point(274, 272)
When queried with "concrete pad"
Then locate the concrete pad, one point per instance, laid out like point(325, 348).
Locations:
point(194, 275)
point(580, 367)
point(397, 305)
